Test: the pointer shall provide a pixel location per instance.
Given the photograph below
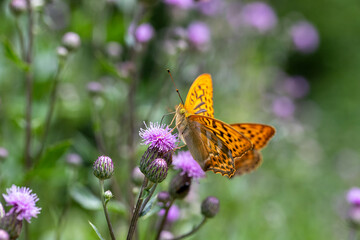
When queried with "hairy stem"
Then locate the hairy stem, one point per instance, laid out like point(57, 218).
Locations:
point(51, 109)
point(195, 229)
point(136, 213)
point(163, 220)
point(105, 210)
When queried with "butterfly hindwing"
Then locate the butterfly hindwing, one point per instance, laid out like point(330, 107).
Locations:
point(248, 162)
point(223, 143)
point(200, 97)
point(259, 134)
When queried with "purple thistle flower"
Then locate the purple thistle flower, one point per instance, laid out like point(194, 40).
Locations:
point(144, 33)
point(198, 33)
point(23, 202)
point(283, 107)
point(184, 4)
point(210, 7)
point(296, 86)
point(184, 161)
point(259, 15)
point(353, 196)
point(305, 37)
point(4, 235)
point(173, 215)
point(159, 137)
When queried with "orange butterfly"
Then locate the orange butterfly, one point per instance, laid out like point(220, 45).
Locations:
point(222, 148)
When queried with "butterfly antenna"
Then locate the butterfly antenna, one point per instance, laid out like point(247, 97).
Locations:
point(177, 90)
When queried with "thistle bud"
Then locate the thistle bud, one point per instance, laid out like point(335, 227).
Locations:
point(137, 176)
point(62, 52)
point(11, 225)
point(180, 186)
point(108, 195)
point(4, 235)
point(18, 6)
point(210, 207)
point(103, 168)
point(71, 41)
point(149, 156)
point(163, 197)
point(3, 153)
point(157, 170)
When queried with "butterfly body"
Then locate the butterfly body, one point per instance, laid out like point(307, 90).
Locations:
point(217, 146)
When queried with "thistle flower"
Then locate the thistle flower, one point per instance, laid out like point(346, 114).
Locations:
point(353, 196)
point(4, 235)
point(157, 170)
point(159, 137)
point(210, 207)
point(144, 33)
point(305, 37)
point(173, 214)
point(18, 6)
point(259, 15)
point(198, 34)
point(103, 168)
point(23, 201)
point(185, 162)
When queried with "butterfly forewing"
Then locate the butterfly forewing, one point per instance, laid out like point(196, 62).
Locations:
point(259, 134)
point(200, 97)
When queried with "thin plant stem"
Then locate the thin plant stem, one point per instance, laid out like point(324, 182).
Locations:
point(105, 210)
point(51, 108)
point(163, 220)
point(97, 129)
point(147, 199)
point(136, 212)
point(195, 229)
point(21, 38)
point(29, 86)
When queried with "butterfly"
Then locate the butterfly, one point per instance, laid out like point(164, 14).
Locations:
point(228, 149)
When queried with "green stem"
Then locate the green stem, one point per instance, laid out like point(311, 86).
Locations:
point(195, 229)
point(148, 197)
point(51, 108)
point(136, 213)
point(105, 210)
point(29, 86)
point(21, 39)
point(163, 220)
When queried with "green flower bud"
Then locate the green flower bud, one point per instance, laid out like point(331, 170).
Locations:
point(103, 168)
point(210, 207)
point(157, 170)
point(180, 186)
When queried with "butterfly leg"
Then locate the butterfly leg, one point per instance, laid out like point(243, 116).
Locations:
point(167, 115)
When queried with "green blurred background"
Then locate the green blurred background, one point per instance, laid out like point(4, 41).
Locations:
point(298, 192)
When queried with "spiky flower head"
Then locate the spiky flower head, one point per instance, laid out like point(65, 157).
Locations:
point(23, 201)
point(157, 170)
point(185, 162)
point(159, 137)
point(210, 207)
point(103, 167)
point(179, 186)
